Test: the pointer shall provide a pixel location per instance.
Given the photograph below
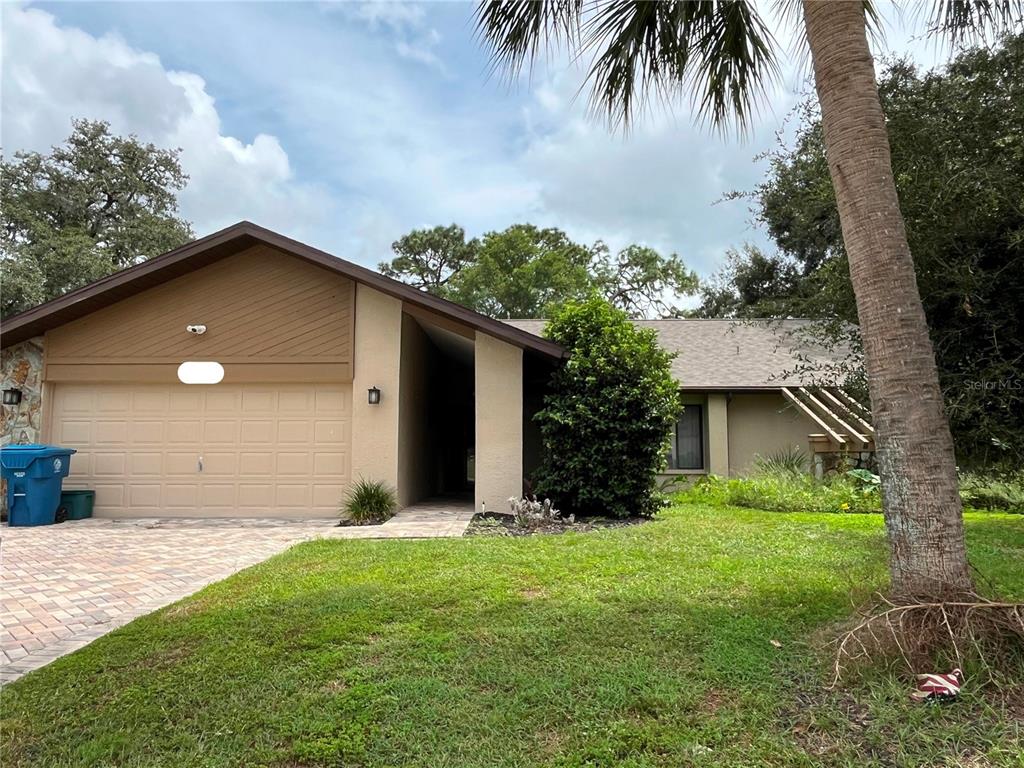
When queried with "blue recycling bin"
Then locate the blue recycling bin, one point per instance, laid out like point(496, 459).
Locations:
point(34, 474)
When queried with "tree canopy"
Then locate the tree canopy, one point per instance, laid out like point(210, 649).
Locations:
point(957, 138)
point(527, 271)
point(94, 205)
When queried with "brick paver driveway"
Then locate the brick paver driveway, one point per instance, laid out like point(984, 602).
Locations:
point(65, 585)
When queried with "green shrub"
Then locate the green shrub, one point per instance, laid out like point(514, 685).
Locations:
point(1004, 493)
point(369, 501)
point(608, 415)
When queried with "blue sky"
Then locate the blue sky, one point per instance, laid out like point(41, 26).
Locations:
point(347, 124)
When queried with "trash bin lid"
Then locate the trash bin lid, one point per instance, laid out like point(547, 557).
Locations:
point(20, 456)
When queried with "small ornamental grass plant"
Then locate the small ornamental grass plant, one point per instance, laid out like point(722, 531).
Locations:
point(368, 502)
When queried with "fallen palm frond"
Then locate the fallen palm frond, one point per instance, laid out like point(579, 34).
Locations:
point(972, 628)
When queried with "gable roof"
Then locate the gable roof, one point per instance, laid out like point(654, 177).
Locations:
point(734, 354)
point(227, 242)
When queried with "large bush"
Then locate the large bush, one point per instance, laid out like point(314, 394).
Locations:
point(608, 415)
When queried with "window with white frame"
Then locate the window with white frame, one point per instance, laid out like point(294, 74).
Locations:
point(687, 451)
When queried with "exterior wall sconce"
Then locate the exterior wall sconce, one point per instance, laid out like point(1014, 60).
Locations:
point(12, 397)
point(372, 396)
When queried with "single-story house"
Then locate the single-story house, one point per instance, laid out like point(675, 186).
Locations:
point(248, 374)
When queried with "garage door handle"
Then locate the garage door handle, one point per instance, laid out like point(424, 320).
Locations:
point(200, 463)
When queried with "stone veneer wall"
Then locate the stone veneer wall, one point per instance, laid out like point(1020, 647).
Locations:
point(21, 367)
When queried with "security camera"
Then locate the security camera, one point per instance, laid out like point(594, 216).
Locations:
point(198, 330)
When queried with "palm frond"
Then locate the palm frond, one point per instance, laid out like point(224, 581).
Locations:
point(719, 52)
point(517, 29)
point(968, 20)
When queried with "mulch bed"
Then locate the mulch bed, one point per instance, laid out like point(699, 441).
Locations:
point(496, 524)
point(346, 523)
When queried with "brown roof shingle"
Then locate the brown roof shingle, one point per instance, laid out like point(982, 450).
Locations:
point(734, 354)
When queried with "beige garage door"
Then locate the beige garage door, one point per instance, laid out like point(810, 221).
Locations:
point(242, 450)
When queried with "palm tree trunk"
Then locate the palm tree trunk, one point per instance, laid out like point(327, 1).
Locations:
point(923, 512)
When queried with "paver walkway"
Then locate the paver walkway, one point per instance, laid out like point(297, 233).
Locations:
point(62, 586)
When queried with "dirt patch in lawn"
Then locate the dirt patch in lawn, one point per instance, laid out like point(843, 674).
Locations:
point(497, 524)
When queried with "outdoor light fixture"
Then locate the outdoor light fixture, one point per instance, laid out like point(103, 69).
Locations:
point(372, 396)
point(12, 396)
point(200, 372)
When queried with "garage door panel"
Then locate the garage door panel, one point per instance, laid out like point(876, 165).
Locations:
point(218, 494)
point(184, 431)
point(258, 432)
point(259, 401)
point(330, 463)
point(108, 496)
point(289, 463)
point(149, 463)
point(110, 432)
point(150, 401)
point(334, 431)
point(297, 401)
point(294, 496)
point(217, 463)
point(220, 401)
point(108, 402)
point(181, 463)
point(264, 449)
point(74, 433)
point(184, 400)
point(331, 402)
point(254, 496)
point(146, 432)
point(220, 431)
point(328, 495)
point(256, 464)
point(144, 495)
point(181, 496)
point(108, 464)
point(294, 431)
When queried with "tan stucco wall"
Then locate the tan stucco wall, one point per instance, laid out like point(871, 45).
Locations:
point(761, 424)
point(414, 470)
point(718, 434)
point(377, 357)
point(499, 422)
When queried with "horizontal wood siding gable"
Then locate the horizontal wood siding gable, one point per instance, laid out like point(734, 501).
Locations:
point(259, 306)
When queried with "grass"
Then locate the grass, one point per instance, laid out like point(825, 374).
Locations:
point(641, 646)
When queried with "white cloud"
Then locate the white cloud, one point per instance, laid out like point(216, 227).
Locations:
point(405, 22)
point(376, 125)
point(381, 13)
point(661, 184)
point(52, 74)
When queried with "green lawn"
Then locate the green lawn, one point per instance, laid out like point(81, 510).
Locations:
point(641, 646)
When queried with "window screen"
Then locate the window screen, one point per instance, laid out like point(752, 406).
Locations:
point(688, 442)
